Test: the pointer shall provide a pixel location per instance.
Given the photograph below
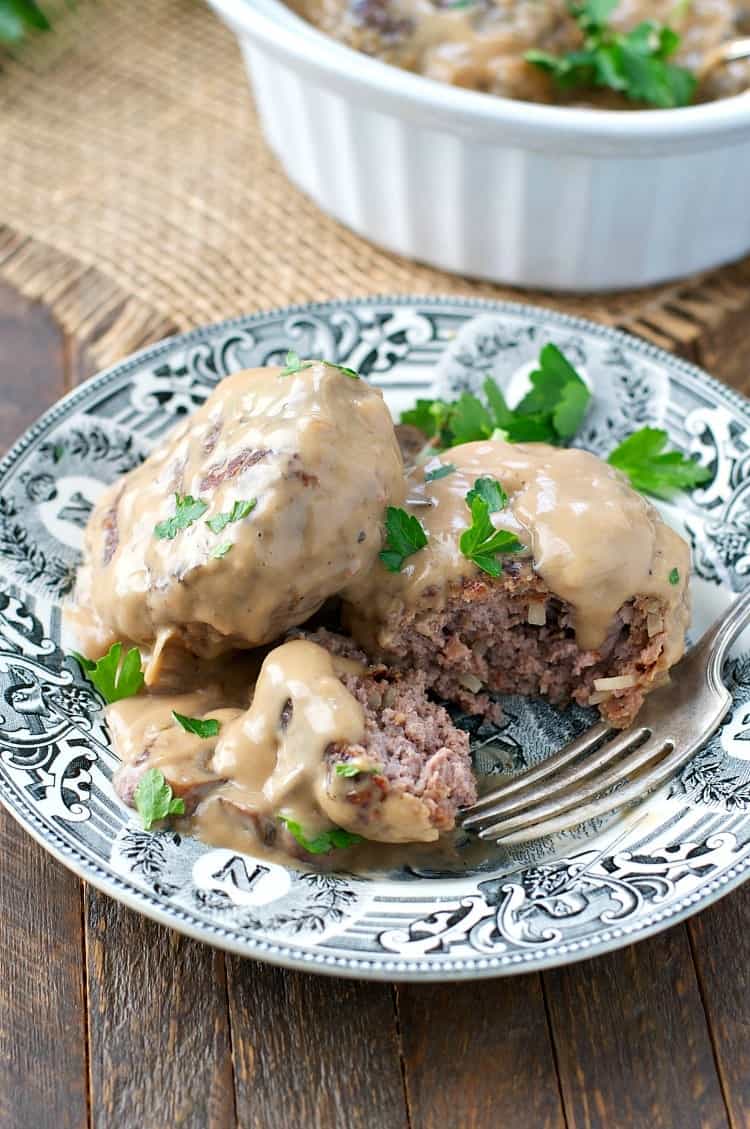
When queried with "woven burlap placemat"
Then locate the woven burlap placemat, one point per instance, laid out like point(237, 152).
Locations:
point(138, 196)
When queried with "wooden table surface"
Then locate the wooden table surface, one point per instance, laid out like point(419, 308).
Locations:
point(110, 1021)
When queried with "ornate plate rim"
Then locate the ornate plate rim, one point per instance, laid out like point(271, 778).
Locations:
point(288, 955)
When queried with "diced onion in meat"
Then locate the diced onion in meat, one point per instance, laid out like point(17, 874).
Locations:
point(471, 682)
point(537, 613)
point(621, 682)
point(602, 696)
point(654, 624)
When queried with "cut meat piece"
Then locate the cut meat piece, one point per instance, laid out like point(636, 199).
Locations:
point(590, 602)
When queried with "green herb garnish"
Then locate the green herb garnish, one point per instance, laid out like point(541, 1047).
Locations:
point(652, 469)
point(551, 412)
point(154, 799)
point(187, 511)
point(207, 728)
point(334, 839)
point(17, 17)
point(404, 536)
point(295, 365)
point(492, 492)
point(674, 576)
point(221, 550)
point(634, 63)
point(439, 472)
point(114, 680)
point(238, 511)
point(351, 768)
point(481, 542)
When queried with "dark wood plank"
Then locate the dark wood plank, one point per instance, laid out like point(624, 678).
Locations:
point(42, 1014)
point(721, 948)
point(32, 370)
point(313, 1052)
point(479, 1055)
point(632, 1043)
point(42, 1010)
point(160, 1053)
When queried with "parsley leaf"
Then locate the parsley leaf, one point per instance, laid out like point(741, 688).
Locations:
point(481, 542)
point(294, 364)
point(221, 550)
point(351, 768)
point(154, 799)
point(492, 492)
point(558, 398)
point(237, 512)
point(113, 680)
point(325, 841)
point(441, 471)
point(187, 511)
point(634, 63)
point(17, 16)
point(430, 416)
point(652, 469)
point(674, 576)
point(551, 412)
point(404, 536)
point(207, 728)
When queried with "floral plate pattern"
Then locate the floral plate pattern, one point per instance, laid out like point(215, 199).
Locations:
point(549, 903)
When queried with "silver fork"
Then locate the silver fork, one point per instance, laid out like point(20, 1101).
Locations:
point(605, 768)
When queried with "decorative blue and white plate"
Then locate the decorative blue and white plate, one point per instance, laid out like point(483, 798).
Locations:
point(550, 903)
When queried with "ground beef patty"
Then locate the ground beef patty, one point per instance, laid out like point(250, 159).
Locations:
point(593, 607)
point(245, 518)
point(328, 741)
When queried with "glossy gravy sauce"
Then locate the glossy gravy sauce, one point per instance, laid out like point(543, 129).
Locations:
point(316, 453)
point(595, 542)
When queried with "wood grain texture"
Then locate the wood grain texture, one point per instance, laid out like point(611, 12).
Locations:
point(313, 1052)
point(479, 1055)
point(160, 1054)
point(631, 1039)
point(721, 948)
point(42, 1012)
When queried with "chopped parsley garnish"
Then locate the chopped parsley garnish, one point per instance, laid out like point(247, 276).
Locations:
point(295, 365)
point(334, 839)
point(652, 469)
point(187, 511)
point(439, 472)
point(551, 412)
point(238, 511)
point(154, 799)
point(351, 768)
point(221, 550)
point(674, 576)
point(404, 536)
point(481, 542)
point(207, 728)
point(634, 63)
point(114, 680)
point(492, 492)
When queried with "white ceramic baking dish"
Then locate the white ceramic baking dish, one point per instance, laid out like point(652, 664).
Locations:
point(536, 196)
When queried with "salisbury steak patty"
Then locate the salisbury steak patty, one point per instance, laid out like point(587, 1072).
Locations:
point(327, 742)
point(591, 603)
point(268, 500)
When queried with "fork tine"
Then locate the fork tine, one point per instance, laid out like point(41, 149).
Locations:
point(569, 752)
point(559, 782)
point(637, 790)
point(533, 816)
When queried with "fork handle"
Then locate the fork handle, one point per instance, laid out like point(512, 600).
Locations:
point(718, 639)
